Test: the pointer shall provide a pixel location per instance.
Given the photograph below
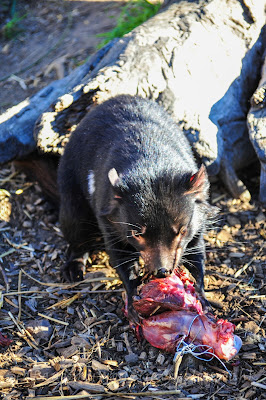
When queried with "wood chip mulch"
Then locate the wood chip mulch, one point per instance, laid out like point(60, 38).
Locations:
point(72, 341)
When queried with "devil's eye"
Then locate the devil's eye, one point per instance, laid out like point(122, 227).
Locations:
point(183, 230)
point(138, 234)
point(135, 233)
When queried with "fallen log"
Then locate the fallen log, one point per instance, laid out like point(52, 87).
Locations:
point(201, 60)
point(17, 123)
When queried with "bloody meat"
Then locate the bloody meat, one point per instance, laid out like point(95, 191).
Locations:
point(170, 311)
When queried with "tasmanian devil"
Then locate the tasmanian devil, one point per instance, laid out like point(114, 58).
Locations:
point(129, 168)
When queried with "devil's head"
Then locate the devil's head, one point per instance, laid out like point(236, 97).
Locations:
point(158, 216)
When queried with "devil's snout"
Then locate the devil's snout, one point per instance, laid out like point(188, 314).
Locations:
point(159, 261)
point(162, 272)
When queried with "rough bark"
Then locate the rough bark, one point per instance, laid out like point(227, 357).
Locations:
point(257, 128)
point(201, 60)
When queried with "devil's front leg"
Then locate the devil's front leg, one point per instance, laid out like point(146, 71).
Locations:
point(127, 269)
point(194, 261)
point(125, 260)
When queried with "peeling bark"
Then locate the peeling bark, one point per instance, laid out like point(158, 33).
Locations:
point(257, 128)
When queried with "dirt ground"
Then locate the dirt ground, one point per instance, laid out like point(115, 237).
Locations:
point(56, 36)
point(74, 340)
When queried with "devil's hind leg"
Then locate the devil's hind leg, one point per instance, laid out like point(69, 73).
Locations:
point(79, 227)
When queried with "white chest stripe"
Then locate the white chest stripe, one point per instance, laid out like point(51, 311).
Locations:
point(91, 183)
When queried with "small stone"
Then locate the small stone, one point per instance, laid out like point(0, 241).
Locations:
point(120, 347)
point(152, 353)
point(31, 304)
point(131, 358)
point(113, 386)
point(5, 48)
point(133, 377)
point(122, 374)
point(245, 196)
point(160, 359)
point(70, 310)
point(236, 255)
point(143, 356)
point(78, 325)
point(224, 236)
point(27, 224)
point(233, 221)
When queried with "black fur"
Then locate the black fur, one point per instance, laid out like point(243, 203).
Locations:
point(149, 197)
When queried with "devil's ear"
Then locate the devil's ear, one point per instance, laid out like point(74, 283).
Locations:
point(114, 203)
point(113, 177)
point(198, 184)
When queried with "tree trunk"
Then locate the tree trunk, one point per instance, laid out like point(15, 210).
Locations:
point(200, 59)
